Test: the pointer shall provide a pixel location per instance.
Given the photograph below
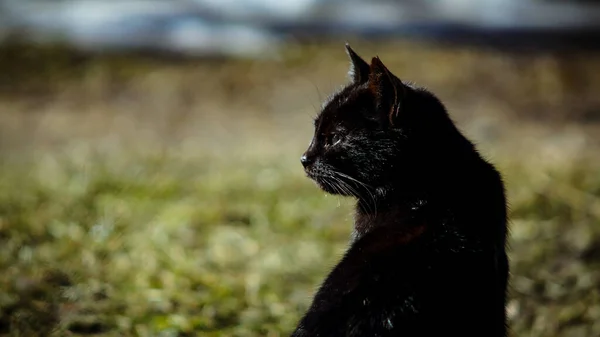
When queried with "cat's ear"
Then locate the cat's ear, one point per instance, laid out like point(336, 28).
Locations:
point(359, 69)
point(387, 88)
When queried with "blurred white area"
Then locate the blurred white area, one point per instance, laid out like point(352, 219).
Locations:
point(283, 9)
point(255, 28)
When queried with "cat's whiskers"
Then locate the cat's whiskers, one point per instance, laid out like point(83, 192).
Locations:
point(353, 191)
point(329, 181)
point(340, 188)
point(366, 187)
point(365, 202)
point(335, 187)
point(350, 189)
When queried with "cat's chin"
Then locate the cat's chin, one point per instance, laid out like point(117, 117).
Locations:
point(330, 187)
point(330, 190)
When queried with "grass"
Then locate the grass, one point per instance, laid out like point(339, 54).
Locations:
point(176, 206)
point(166, 246)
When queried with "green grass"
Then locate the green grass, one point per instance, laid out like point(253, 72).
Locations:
point(166, 204)
point(161, 245)
point(168, 246)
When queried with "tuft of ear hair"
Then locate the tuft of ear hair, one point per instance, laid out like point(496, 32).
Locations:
point(387, 88)
point(359, 69)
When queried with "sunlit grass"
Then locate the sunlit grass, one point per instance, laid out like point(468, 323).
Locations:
point(166, 245)
point(173, 203)
point(159, 245)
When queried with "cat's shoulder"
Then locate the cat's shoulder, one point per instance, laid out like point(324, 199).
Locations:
point(387, 239)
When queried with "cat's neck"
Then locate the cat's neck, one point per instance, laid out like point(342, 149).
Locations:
point(396, 211)
point(413, 200)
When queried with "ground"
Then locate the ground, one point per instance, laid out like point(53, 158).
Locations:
point(143, 197)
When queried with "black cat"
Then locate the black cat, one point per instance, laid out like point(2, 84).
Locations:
point(428, 256)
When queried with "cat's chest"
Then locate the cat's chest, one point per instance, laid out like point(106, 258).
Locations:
point(378, 259)
point(395, 225)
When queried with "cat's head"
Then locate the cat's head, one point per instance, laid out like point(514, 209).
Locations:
point(372, 131)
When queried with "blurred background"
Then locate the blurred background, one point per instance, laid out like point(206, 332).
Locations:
point(150, 182)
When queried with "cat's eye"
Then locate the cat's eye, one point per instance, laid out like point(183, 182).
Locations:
point(332, 139)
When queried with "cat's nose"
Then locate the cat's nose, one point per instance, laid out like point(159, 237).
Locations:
point(305, 160)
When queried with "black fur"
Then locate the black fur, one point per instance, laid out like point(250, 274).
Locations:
point(428, 256)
